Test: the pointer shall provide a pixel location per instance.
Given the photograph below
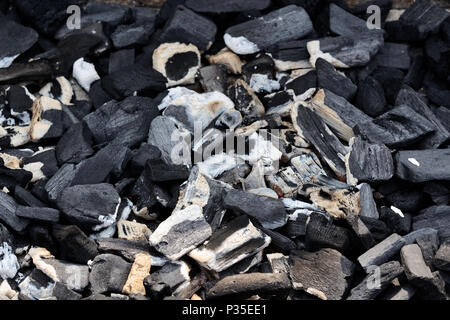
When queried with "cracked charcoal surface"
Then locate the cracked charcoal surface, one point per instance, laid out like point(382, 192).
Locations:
point(224, 149)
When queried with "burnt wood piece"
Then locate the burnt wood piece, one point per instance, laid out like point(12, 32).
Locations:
point(411, 98)
point(424, 17)
point(25, 197)
point(391, 80)
point(137, 78)
point(394, 55)
point(325, 274)
point(127, 121)
point(328, 78)
point(160, 171)
point(263, 64)
point(398, 223)
point(443, 114)
point(416, 72)
point(60, 180)
point(439, 192)
point(417, 272)
point(397, 128)
point(442, 257)
point(226, 6)
point(260, 33)
point(423, 165)
point(8, 215)
point(38, 214)
point(304, 85)
point(237, 240)
point(42, 164)
point(46, 122)
point(345, 52)
point(322, 233)
point(339, 114)
point(344, 23)
point(316, 131)
point(370, 97)
point(377, 228)
point(91, 207)
point(368, 205)
point(75, 145)
point(368, 162)
point(246, 101)
point(19, 72)
point(361, 231)
point(365, 290)
point(97, 95)
point(108, 273)
point(289, 55)
point(120, 59)
point(186, 26)
point(11, 176)
point(382, 252)
point(268, 211)
point(214, 78)
point(249, 284)
point(132, 34)
point(141, 155)
point(435, 217)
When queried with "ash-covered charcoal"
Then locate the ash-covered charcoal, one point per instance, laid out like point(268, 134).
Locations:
point(255, 35)
point(263, 150)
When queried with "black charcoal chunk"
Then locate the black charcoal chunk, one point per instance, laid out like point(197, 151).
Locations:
point(206, 6)
point(268, 211)
point(8, 215)
point(260, 33)
point(399, 222)
point(442, 257)
point(316, 131)
point(394, 55)
point(360, 229)
point(397, 128)
point(97, 95)
point(91, 207)
point(377, 280)
point(246, 101)
point(345, 52)
point(416, 270)
point(249, 284)
point(436, 217)
point(382, 252)
point(132, 34)
point(42, 164)
point(75, 145)
point(325, 274)
point(39, 214)
point(60, 180)
point(127, 121)
point(289, 55)
point(133, 79)
point(303, 86)
point(368, 162)
point(213, 78)
point(344, 23)
point(146, 194)
point(377, 228)
point(188, 27)
point(424, 17)
point(237, 240)
point(47, 120)
point(173, 273)
point(409, 97)
point(322, 233)
point(391, 80)
point(140, 156)
point(329, 78)
point(370, 97)
point(27, 198)
point(109, 273)
point(120, 59)
point(423, 165)
point(368, 205)
point(439, 192)
point(160, 171)
point(73, 244)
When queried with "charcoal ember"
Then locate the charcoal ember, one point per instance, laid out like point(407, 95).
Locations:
point(328, 78)
point(435, 217)
point(98, 95)
point(368, 162)
point(11, 48)
point(42, 164)
point(325, 274)
point(399, 222)
point(174, 237)
point(304, 85)
point(439, 97)
point(394, 55)
point(137, 78)
point(141, 156)
point(437, 52)
point(186, 26)
point(346, 52)
point(424, 17)
point(231, 244)
point(205, 6)
point(62, 292)
point(19, 72)
point(250, 283)
point(109, 273)
point(311, 126)
point(252, 36)
point(46, 122)
point(8, 207)
point(75, 145)
point(73, 244)
point(322, 233)
point(91, 207)
point(132, 34)
point(38, 214)
point(344, 23)
point(339, 114)
point(370, 97)
point(411, 98)
point(268, 211)
point(243, 266)
point(382, 252)
point(422, 165)
point(442, 257)
point(213, 78)
point(173, 273)
point(383, 274)
point(397, 128)
point(246, 101)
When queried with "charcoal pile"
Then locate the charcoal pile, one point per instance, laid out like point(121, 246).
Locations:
point(258, 149)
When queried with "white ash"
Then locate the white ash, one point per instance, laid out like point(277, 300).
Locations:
point(85, 73)
point(8, 262)
point(7, 61)
point(261, 83)
point(240, 45)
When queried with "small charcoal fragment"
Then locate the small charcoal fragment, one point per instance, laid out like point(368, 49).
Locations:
point(108, 273)
point(205, 6)
point(435, 217)
point(423, 165)
point(328, 78)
